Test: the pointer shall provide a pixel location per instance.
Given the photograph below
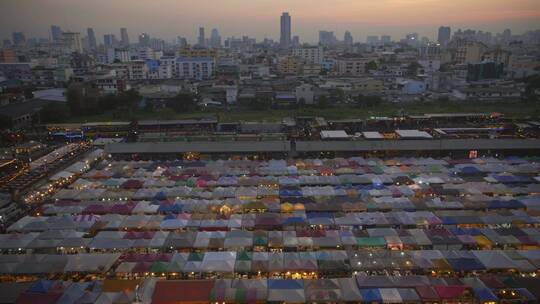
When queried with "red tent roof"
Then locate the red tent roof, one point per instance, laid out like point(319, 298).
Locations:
point(41, 298)
point(450, 291)
point(169, 292)
point(427, 293)
point(132, 184)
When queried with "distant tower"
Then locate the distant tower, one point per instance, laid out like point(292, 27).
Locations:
point(73, 41)
point(215, 39)
point(124, 38)
point(285, 37)
point(56, 33)
point(295, 41)
point(348, 39)
point(444, 35)
point(92, 43)
point(144, 39)
point(202, 40)
point(109, 40)
point(18, 38)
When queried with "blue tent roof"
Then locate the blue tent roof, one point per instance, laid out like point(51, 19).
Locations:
point(165, 208)
point(371, 295)
point(169, 217)
point(285, 284)
point(500, 204)
point(511, 178)
point(470, 170)
point(485, 294)
point(465, 264)
point(311, 215)
point(41, 286)
point(160, 196)
point(447, 220)
point(286, 192)
point(294, 220)
point(526, 293)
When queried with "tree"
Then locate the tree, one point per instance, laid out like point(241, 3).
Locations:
point(148, 107)
point(372, 65)
point(5, 122)
point(532, 85)
point(413, 67)
point(107, 102)
point(74, 98)
point(301, 102)
point(183, 102)
point(323, 102)
point(445, 67)
point(339, 95)
point(55, 112)
point(368, 101)
point(129, 98)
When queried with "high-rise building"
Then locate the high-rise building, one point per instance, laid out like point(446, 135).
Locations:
point(181, 41)
point(215, 39)
point(295, 41)
point(201, 40)
point(348, 39)
point(285, 36)
point(386, 39)
point(109, 40)
point(72, 40)
point(144, 39)
point(8, 56)
point(56, 33)
point(372, 40)
point(309, 54)
point(327, 38)
point(18, 38)
point(92, 43)
point(124, 38)
point(444, 35)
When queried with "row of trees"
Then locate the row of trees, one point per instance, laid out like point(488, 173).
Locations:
point(80, 104)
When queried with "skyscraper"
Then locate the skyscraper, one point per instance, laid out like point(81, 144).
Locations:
point(285, 37)
point(386, 39)
point(72, 40)
point(144, 39)
point(109, 40)
point(201, 40)
point(215, 38)
point(18, 38)
point(444, 35)
point(327, 38)
point(124, 38)
point(92, 43)
point(295, 41)
point(56, 33)
point(348, 39)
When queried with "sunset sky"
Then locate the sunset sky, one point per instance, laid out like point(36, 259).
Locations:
point(260, 18)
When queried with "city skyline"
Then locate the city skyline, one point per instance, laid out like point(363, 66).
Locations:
point(259, 19)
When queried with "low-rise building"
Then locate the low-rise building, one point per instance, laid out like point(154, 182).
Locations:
point(198, 68)
point(351, 65)
point(411, 86)
point(305, 93)
point(289, 65)
point(309, 54)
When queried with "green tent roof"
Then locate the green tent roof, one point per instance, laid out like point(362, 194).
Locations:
point(371, 241)
point(260, 241)
point(159, 267)
point(243, 256)
point(196, 256)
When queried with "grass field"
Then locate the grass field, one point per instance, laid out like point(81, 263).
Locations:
point(511, 109)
